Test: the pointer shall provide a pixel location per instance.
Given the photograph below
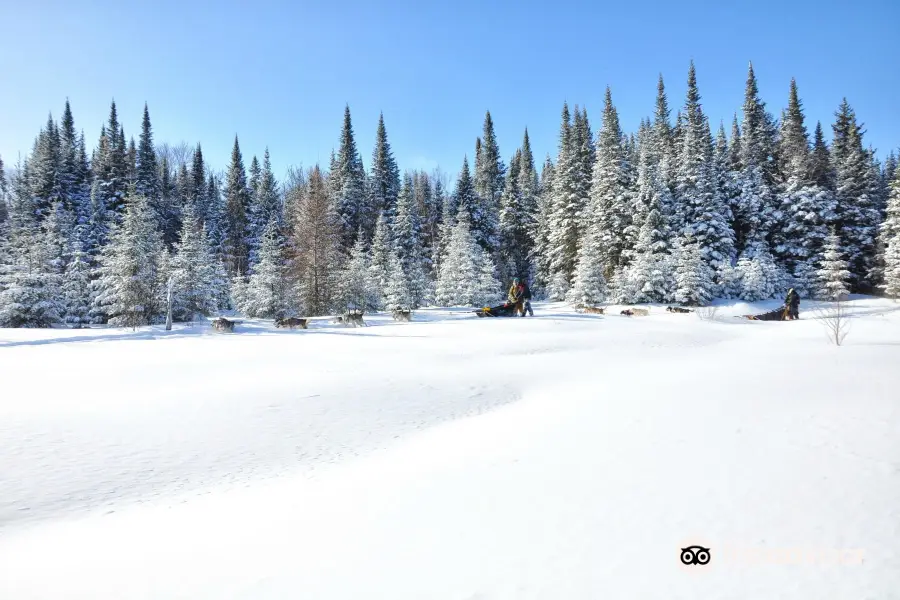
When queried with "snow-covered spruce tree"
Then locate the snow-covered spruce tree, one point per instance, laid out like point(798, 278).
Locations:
point(74, 172)
point(540, 255)
point(459, 276)
point(487, 290)
point(110, 168)
point(43, 172)
point(350, 185)
point(566, 212)
point(357, 289)
point(237, 203)
point(130, 284)
point(514, 243)
point(407, 235)
point(701, 209)
point(196, 280)
point(834, 276)
point(76, 288)
point(384, 179)
point(761, 278)
point(661, 144)
point(266, 292)
point(805, 206)
point(196, 185)
point(316, 243)
point(648, 272)
point(381, 248)
point(29, 281)
point(397, 295)
point(890, 239)
point(488, 182)
point(611, 202)
point(755, 214)
point(589, 286)
point(693, 275)
point(856, 190)
point(891, 283)
point(265, 208)
point(584, 156)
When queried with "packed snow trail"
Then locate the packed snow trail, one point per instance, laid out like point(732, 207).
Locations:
point(631, 439)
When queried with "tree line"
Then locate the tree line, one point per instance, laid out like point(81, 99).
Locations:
point(670, 213)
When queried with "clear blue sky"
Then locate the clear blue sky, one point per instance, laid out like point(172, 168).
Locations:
point(278, 73)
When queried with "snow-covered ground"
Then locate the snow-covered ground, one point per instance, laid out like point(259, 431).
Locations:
point(563, 457)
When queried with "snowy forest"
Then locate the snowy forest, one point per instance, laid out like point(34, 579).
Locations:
point(677, 211)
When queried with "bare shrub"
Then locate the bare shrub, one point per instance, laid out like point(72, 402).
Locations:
point(835, 318)
point(707, 313)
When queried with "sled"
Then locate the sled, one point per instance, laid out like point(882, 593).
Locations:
point(779, 314)
point(504, 310)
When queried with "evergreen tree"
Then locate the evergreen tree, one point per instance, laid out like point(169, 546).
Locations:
point(820, 170)
point(110, 167)
point(131, 278)
point(589, 285)
point(487, 290)
point(890, 239)
point(131, 164)
point(834, 277)
point(584, 154)
point(4, 211)
point(29, 282)
point(357, 288)
point(540, 231)
point(755, 217)
point(760, 277)
point(856, 191)
point(407, 236)
point(467, 199)
point(489, 180)
point(611, 202)
point(891, 283)
point(529, 191)
point(197, 280)
point(693, 275)
point(807, 207)
point(237, 203)
point(74, 173)
point(661, 147)
point(379, 264)
point(266, 292)
point(397, 295)
point(566, 214)
point(702, 211)
point(147, 183)
point(196, 185)
point(76, 289)
point(458, 281)
point(514, 243)
point(43, 174)
point(350, 185)
point(265, 208)
point(384, 184)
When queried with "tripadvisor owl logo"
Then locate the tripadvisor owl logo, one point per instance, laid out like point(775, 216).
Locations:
point(695, 555)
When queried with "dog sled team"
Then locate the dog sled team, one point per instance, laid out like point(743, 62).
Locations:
point(518, 303)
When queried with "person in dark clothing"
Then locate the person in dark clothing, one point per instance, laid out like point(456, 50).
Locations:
point(792, 303)
point(526, 298)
